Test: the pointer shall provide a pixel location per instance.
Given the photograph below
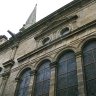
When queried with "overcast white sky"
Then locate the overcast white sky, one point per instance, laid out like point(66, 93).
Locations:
point(14, 13)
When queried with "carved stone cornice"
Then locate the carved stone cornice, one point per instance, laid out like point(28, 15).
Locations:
point(74, 32)
point(55, 24)
point(9, 63)
point(37, 25)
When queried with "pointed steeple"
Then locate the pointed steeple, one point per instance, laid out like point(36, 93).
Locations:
point(32, 18)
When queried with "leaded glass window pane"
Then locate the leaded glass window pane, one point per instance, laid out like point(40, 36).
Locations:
point(24, 84)
point(67, 75)
point(88, 57)
point(89, 54)
point(43, 80)
point(72, 91)
point(90, 71)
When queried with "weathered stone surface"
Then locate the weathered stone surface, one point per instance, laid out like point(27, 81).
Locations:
point(31, 51)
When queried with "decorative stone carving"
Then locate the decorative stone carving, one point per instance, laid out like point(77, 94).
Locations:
point(7, 65)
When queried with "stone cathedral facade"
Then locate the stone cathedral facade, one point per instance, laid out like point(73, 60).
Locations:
point(56, 56)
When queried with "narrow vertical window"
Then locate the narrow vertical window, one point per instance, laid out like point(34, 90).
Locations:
point(89, 56)
point(43, 80)
point(67, 75)
point(23, 85)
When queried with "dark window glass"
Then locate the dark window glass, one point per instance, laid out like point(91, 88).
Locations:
point(89, 54)
point(65, 31)
point(46, 40)
point(67, 75)
point(24, 84)
point(43, 80)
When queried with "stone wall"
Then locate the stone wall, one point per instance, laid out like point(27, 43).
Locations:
point(30, 51)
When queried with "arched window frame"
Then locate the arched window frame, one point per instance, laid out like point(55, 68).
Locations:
point(65, 31)
point(87, 44)
point(46, 40)
point(57, 82)
point(19, 82)
point(47, 81)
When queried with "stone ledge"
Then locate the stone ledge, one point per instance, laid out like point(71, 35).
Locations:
point(78, 30)
point(9, 63)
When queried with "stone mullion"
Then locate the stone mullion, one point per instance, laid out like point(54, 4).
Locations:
point(80, 74)
point(52, 79)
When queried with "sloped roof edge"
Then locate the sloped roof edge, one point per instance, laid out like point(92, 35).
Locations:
point(45, 19)
point(50, 16)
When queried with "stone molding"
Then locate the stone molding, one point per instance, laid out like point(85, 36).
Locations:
point(9, 63)
point(78, 30)
point(37, 25)
point(32, 73)
point(64, 20)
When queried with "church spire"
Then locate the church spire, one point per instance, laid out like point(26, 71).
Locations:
point(32, 18)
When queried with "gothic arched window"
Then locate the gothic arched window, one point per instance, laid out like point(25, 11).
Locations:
point(43, 79)
point(23, 86)
point(67, 75)
point(89, 58)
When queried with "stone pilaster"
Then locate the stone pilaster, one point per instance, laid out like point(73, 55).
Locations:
point(32, 82)
point(5, 77)
point(80, 74)
point(53, 79)
point(7, 67)
point(31, 85)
